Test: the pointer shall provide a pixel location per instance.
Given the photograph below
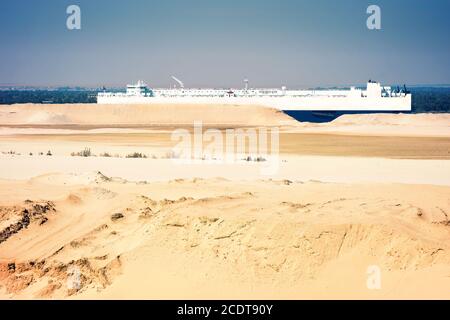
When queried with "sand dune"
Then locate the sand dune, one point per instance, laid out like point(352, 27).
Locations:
point(359, 193)
point(423, 119)
point(186, 238)
point(296, 168)
point(76, 116)
point(418, 125)
point(155, 115)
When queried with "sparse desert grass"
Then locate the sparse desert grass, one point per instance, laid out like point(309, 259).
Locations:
point(84, 153)
point(109, 155)
point(11, 152)
point(88, 153)
point(168, 155)
point(136, 155)
point(105, 154)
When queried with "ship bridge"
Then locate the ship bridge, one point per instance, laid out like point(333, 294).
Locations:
point(139, 89)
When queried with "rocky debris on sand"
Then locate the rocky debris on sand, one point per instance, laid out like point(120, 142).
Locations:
point(116, 216)
point(68, 277)
point(32, 212)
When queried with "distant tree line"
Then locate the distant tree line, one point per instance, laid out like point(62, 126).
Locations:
point(47, 96)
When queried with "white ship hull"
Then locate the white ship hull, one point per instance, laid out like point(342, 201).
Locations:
point(286, 103)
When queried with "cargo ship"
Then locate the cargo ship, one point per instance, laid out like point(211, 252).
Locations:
point(314, 105)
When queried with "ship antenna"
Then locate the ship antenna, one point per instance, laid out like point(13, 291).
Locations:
point(178, 81)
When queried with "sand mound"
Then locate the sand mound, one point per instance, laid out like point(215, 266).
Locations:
point(85, 178)
point(383, 124)
point(159, 115)
point(265, 239)
point(168, 116)
point(423, 119)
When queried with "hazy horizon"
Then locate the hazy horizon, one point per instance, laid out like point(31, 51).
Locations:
point(217, 44)
point(123, 86)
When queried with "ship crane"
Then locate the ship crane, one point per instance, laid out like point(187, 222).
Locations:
point(178, 81)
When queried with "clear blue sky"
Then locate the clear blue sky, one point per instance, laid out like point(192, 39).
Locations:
point(297, 43)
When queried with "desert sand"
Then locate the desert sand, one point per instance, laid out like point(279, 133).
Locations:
point(359, 193)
